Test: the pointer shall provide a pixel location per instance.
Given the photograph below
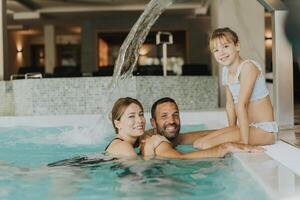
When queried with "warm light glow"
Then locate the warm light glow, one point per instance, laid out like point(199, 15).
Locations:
point(41, 57)
point(19, 56)
point(29, 32)
point(19, 46)
point(268, 34)
point(268, 14)
point(102, 53)
point(144, 50)
point(268, 39)
point(268, 43)
point(19, 51)
point(75, 29)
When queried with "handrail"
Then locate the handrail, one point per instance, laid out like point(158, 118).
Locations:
point(16, 76)
point(272, 5)
point(33, 76)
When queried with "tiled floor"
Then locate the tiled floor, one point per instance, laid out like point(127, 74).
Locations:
point(292, 136)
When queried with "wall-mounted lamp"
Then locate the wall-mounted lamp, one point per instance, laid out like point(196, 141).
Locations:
point(268, 39)
point(144, 50)
point(20, 51)
point(268, 35)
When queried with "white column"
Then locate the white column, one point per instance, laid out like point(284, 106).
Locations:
point(282, 71)
point(50, 48)
point(247, 19)
point(3, 39)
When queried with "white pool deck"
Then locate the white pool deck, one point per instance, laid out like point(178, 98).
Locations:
point(277, 169)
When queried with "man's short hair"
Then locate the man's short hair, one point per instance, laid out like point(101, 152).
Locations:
point(158, 102)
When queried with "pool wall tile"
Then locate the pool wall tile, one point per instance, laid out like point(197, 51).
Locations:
point(91, 95)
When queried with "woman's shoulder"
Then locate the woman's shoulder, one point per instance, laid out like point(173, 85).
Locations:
point(120, 147)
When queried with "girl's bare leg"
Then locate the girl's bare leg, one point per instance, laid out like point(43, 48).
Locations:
point(200, 143)
point(231, 135)
point(257, 136)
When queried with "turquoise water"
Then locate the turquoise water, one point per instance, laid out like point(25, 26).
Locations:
point(24, 174)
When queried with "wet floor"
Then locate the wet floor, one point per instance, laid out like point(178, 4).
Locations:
point(291, 136)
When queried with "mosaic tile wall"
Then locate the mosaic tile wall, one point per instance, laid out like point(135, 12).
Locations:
point(6, 98)
point(92, 95)
point(190, 92)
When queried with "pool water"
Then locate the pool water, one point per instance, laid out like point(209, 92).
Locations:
point(24, 174)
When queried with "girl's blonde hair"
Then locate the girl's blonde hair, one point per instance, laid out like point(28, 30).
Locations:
point(119, 108)
point(225, 34)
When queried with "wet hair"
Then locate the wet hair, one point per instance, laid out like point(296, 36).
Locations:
point(158, 102)
point(119, 108)
point(223, 34)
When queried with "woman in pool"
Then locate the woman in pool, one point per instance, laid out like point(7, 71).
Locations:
point(247, 97)
point(129, 123)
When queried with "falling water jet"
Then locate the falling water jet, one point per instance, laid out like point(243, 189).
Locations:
point(129, 51)
point(125, 63)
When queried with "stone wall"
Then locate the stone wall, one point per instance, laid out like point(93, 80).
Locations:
point(91, 95)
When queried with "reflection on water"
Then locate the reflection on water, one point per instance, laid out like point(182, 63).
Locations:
point(24, 174)
point(132, 178)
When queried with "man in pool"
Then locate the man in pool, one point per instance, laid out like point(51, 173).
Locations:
point(162, 139)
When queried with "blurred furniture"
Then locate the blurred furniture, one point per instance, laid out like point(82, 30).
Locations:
point(31, 69)
point(195, 70)
point(17, 76)
point(66, 71)
point(148, 70)
point(104, 71)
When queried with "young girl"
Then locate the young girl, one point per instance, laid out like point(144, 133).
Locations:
point(248, 105)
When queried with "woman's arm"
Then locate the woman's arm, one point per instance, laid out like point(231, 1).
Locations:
point(248, 77)
point(231, 115)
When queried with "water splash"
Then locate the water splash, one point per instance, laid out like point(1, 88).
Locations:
point(129, 51)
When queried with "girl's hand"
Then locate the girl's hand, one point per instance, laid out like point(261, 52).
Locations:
point(150, 143)
point(235, 147)
point(147, 148)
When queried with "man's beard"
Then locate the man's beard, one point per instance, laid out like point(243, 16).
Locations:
point(168, 135)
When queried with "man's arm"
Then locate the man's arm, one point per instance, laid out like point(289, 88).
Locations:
point(190, 137)
point(167, 151)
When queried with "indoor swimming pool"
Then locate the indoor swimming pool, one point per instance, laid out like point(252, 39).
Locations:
point(54, 160)
point(26, 151)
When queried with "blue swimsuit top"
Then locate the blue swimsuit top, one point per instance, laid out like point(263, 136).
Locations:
point(260, 88)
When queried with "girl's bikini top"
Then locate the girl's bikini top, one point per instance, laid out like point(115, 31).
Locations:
point(260, 88)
